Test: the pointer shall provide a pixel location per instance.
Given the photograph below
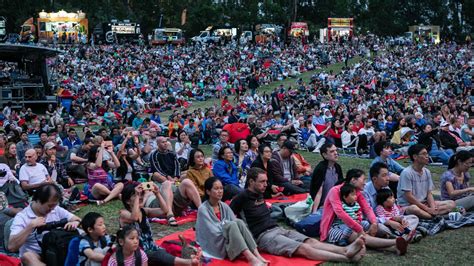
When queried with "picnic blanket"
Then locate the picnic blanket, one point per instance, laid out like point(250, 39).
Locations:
point(441, 223)
point(188, 217)
point(288, 199)
point(274, 260)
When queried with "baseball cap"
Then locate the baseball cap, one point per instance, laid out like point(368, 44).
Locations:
point(444, 124)
point(49, 145)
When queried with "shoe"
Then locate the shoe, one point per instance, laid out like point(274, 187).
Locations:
point(422, 231)
point(75, 196)
point(402, 246)
point(316, 151)
point(417, 238)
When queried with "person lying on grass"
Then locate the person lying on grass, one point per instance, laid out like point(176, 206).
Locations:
point(275, 240)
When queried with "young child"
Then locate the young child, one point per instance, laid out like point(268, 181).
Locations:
point(93, 247)
point(352, 208)
point(387, 209)
point(128, 251)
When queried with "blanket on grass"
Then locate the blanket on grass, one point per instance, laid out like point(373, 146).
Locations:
point(440, 223)
point(274, 260)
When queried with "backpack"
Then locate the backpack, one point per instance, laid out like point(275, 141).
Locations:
point(73, 251)
point(55, 245)
point(309, 225)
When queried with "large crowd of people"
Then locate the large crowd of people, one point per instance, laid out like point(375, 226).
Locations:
point(413, 101)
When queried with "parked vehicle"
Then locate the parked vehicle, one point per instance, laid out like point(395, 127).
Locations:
point(60, 27)
point(167, 35)
point(117, 31)
point(214, 34)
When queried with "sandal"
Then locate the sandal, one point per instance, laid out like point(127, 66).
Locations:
point(172, 221)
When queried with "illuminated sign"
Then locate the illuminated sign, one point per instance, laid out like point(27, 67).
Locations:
point(340, 22)
point(124, 28)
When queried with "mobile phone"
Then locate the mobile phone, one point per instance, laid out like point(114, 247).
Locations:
point(148, 185)
point(108, 143)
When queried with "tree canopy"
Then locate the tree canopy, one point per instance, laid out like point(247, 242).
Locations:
point(382, 17)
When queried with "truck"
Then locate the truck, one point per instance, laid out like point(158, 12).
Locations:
point(59, 27)
point(298, 31)
point(262, 33)
point(117, 31)
point(167, 35)
point(213, 34)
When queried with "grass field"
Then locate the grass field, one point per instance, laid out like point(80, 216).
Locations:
point(453, 247)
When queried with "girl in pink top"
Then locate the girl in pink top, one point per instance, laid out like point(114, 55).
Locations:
point(333, 208)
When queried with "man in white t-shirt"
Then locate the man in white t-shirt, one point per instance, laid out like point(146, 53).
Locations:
point(43, 209)
point(32, 174)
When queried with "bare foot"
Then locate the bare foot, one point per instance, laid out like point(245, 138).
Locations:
point(357, 257)
point(256, 262)
point(354, 248)
point(262, 259)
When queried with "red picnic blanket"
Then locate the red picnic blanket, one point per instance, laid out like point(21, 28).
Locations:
point(274, 260)
point(288, 199)
point(190, 216)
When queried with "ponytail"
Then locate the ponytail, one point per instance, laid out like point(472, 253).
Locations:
point(459, 156)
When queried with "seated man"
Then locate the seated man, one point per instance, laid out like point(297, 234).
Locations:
point(166, 172)
point(32, 174)
point(415, 186)
point(379, 176)
point(283, 169)
point(383, 150)
point(43, 209)
point(78, 159)
point(275, 240)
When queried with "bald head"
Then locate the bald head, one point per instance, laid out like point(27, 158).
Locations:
point(31, 157)
point(162, 143)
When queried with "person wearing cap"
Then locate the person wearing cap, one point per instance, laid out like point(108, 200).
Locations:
point(283, 169)
point(55, 167)
point(451, 139)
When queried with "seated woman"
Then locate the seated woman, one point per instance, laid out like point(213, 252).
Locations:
point(242, 160)
point(339, 226)
point(219, 233)
point(264, 156)
point(9, 157)
point(334, 133)
point(455, 181)
point(182, 148)
point(100, 185)
point(134, 214)
point(226, 170)
point(198, 171)
point(253, 143)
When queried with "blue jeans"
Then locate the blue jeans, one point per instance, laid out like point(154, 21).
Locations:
point(442, 155)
